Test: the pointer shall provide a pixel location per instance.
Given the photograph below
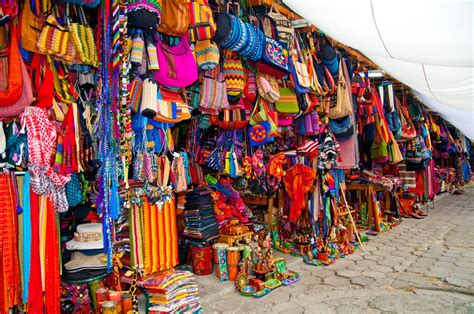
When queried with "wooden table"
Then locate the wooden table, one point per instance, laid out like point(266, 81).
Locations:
point(369, 189)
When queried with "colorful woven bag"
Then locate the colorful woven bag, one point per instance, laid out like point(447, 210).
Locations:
point(234, 73)
point(83, 37)
point(144, 14)
point(175, 17)
point(55, 40)
point(201, 21)
point(207, 54)
point(213, 95)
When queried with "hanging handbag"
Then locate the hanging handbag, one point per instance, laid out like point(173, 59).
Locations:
point(234, 73)
point(26, 97)
point(144, 14)
point(207, 54)
point(286, 31)
point(268, 87)
point(234, 118)
point(83, 37)
point(213, 95)
point(260, 134)
point(379, 148)
point(288, 102)
point(201, 21)
point(56, 40)
point(275, 54)
point(177, 65)
point(300, 68)
point(174, 17)
point(31, 26)
point(14, 74)
point(342, 128)
point(343, 105)
point(250, 90)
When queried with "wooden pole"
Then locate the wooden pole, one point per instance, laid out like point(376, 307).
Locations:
point(343, 192)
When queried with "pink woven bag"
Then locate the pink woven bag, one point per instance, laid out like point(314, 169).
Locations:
point(177, 65)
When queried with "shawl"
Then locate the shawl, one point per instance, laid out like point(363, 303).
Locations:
point(298, 182)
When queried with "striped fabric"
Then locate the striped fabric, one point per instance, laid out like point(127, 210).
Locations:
point(207, 54)
point(201, 22)
point(154, 242)
point(153, 63)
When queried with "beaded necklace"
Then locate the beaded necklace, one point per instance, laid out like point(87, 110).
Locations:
point(105, 198)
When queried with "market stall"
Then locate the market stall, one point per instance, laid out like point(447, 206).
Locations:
point(144, 143)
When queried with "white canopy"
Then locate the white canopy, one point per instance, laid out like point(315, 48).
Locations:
point(426, 44)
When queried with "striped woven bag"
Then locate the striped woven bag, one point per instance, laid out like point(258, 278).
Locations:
point(82, 37)
point(55, 40)
point(234, 73)
point(201, 21)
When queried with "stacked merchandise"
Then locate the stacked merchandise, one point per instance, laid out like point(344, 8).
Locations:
point(172, 292)
point(201, 224)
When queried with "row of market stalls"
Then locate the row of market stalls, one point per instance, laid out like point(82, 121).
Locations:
point(144, 143)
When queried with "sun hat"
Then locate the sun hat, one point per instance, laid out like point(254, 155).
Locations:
point(86, 260)
point(87, 237)
point(328, 56)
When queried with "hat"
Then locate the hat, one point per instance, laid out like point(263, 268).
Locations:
point(87, 237)
point(86, 260)
point(328, 56)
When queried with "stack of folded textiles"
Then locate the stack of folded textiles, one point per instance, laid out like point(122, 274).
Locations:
point(172, 291)
point(201, 224)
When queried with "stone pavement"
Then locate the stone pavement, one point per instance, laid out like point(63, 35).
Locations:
point(420, 266)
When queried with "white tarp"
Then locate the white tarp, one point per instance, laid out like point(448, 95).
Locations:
point(427, 45)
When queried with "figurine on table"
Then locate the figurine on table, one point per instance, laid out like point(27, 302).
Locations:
point(262, 253)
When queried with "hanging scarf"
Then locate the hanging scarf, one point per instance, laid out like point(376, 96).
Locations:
point(298, 181)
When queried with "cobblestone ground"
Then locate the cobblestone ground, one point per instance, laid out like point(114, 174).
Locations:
point(420, 266)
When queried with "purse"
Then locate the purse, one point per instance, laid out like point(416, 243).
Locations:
point(288, 102)
point(144, 14)
point(232, 119)
point(207, 54)
point(268, 87)
point(26, 97)
point(213, 95)
point(54, 33)
point(31, 26)
point(275, 54)
point(201, 21)
point(286, 31)
point(82, 37)
point(260, 134)
point(174, 17)
point(234, 73)
point(177, 65)
point(300, 68)
point(343, 105)
point(250, 90)
point(342, 128)
point(14, 77)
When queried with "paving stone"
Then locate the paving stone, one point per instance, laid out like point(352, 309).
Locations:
point(372, 257)
point(381, 268)
point(366, 263)
point(447, 259)
point(288, 307)
point(323, 273)
point(362, 281)
point(336, 281)
point(464, 264)
point(373, 274)
point(310, 280)
point(348, 273)
point(456, 281)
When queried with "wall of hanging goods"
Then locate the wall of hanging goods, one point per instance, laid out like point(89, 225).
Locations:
point(143, 143)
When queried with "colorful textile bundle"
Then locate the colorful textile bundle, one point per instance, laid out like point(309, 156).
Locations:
point(171, 291)
point(153, 236)
point(201, 224)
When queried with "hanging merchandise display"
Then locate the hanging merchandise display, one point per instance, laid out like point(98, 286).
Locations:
point(145, 142)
